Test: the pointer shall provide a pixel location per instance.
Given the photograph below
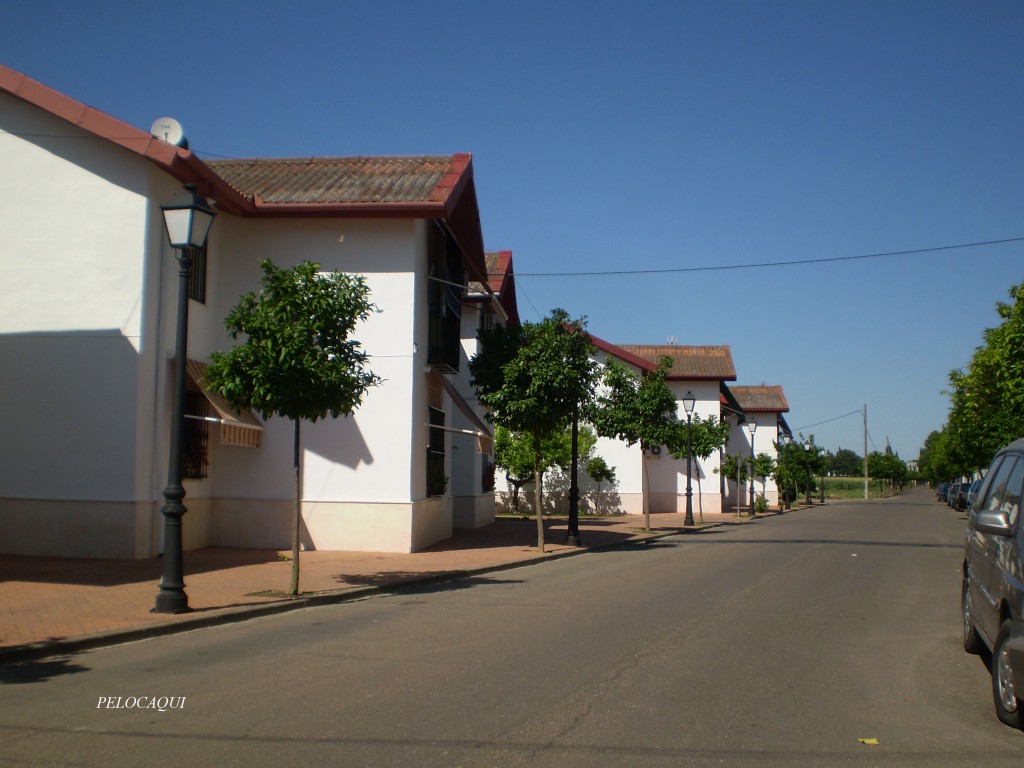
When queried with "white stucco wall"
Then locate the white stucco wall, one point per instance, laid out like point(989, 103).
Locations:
point(361, 474)
point(76, 335)
point(472, 506)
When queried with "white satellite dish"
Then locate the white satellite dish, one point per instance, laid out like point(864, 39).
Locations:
point(169, 130)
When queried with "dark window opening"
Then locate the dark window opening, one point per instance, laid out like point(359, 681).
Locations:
point(437, 481)
point(488, 320)
point(196, 436)
point(445, 285)
point(197, 277)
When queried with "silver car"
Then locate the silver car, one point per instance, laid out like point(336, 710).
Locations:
point(992, 599)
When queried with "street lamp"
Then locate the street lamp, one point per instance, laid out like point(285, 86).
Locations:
point(810, 469)
point(821, 471)
point(188, 218)
point(752, 426)
point(688, 402)
point(572, 530)
point(786, 440)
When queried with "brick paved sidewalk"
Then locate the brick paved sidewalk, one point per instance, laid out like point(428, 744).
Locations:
point(52, 605)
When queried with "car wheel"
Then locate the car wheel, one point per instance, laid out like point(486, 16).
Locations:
point(1008, 706)
point(972, 642)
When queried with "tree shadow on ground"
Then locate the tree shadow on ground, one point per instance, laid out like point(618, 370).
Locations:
point(20, 673)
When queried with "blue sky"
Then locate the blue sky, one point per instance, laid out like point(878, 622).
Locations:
point(643, 136)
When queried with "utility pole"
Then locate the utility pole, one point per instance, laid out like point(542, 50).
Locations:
point(865, 451)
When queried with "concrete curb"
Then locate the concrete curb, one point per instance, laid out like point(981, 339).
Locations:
point(188, 622)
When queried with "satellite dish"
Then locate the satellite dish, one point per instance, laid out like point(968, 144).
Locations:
point(168, 129)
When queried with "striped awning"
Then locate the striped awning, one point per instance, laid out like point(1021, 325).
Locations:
point(240, 428)
point(485, 440)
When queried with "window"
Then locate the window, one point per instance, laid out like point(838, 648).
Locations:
point(1002, 490)
point(196, 436)
point(445, 285)
point(437, 481)
point(1010, 502)
point(197, 277)
point(488, 320)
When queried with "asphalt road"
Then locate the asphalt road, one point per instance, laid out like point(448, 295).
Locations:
point(785, 642)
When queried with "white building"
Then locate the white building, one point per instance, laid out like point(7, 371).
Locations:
point(700, 370)
point(763, 406)
point(87, 338)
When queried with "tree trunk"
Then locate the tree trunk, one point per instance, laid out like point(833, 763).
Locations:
point(700, 495)
point(645, 490)
point(515, 491)
point(296, 516)
point(540, 489)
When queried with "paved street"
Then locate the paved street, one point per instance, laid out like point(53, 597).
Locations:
point(783, 642)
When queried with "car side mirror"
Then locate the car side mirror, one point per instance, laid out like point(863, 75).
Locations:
point(995, 522)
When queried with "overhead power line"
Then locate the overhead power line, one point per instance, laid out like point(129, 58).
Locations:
point(766, 264)
point(829, 421)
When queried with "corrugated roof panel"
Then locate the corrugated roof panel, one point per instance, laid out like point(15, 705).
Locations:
point(335, 179)
point(690, 362)
point(764, 398)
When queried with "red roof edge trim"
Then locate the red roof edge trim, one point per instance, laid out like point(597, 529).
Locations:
point(450, 187)
point(621, 354)
point(462, 213)
point(680, 377)
point(181, 164)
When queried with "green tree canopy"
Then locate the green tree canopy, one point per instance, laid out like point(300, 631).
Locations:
point(987, 396)
point(599, 470)
point(533, 379)
point(764, 467)
point(846, 463)
point(514, 453)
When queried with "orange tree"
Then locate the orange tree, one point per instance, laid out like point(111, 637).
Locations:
point(298, 359)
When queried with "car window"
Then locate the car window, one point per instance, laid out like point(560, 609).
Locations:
point(981, 503)
point(1012, 493)
point(993, 501)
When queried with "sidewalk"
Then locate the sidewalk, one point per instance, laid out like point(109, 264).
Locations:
point(51, 606)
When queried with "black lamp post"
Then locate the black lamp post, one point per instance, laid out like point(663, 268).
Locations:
point(572, 531)
point(688, 402)
point(188, 218)
point(752, 426)
point(810, 470)
point(785, 440)
point(821, 471)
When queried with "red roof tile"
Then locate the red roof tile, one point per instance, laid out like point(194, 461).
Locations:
point(761, 399)
point(689, 363)
point(330, 180)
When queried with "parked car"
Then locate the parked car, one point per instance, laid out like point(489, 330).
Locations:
point(992, 595)
point(940, 491)
point(951, 493)
point(960, 497)
point(972, 493)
